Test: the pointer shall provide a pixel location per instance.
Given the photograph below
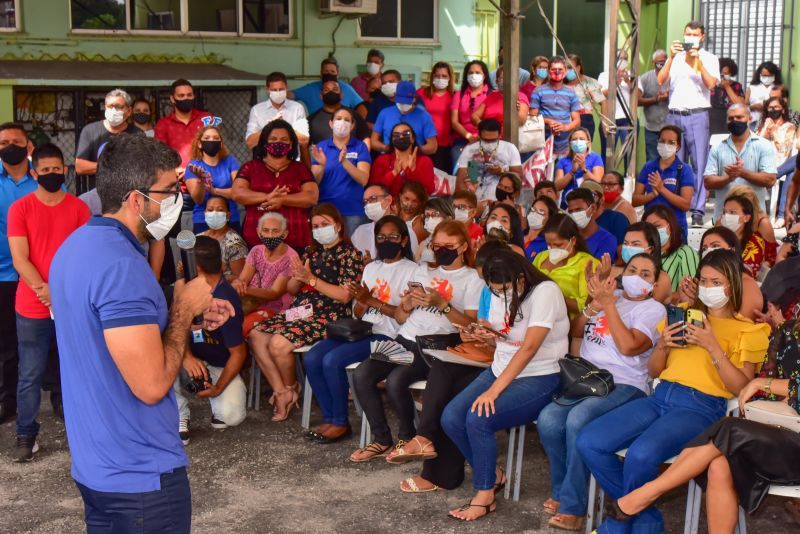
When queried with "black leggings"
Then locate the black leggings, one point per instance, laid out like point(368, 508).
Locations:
point(398, 378)
point(445, 381)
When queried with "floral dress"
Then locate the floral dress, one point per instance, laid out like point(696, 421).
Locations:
point(233, 248)
point(339, 265)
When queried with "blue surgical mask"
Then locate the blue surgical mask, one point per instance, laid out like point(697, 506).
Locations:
point(629, 252)
point(541, 73)
point(663, 235)
point(571, 75)
point(579, 146)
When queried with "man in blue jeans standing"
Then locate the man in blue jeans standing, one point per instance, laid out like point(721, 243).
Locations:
point(121, 349)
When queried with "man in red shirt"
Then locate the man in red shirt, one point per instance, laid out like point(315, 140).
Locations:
point(177, 129)
point(37, 225)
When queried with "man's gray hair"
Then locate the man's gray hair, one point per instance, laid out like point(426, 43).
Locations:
point(274, 215)
point(734, 107)
point(657, 52)
point(114, 93)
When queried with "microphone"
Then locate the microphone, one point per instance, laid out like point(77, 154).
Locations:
point(186, 241)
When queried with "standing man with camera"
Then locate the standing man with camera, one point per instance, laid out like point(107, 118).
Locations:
point(121, 349)
point(692, 72)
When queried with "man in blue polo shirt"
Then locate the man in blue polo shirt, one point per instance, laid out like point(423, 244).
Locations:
point(15, 182)
point(558, 105)
point(667, 180)
point(405, 110)
point(310, 93)
point(582, 207)
point(121, 350)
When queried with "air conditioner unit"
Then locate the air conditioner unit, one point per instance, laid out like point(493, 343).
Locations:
point(353, 7)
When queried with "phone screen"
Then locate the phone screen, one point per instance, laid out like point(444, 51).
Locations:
point(474, 170)
point(416, 285)
point(677, 315)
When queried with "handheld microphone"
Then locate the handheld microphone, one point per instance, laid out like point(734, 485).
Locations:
point(186, 241)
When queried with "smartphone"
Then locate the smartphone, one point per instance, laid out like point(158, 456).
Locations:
point(677, 315)
point(619, 282)
point(695, 317)
point(495, 332)
point(474, 170)
point(416, 285)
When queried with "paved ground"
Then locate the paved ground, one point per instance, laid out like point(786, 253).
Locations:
point(262, 478)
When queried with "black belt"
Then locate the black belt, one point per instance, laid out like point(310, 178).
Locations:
point(686, 112)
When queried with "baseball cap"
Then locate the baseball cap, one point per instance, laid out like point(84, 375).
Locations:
point(405, 92)
point(592, 186)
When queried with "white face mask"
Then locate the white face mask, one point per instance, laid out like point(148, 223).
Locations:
point(462, 215)
point(215, 219)
point(373, 68)
point(404, 108)
point(115, 117)
point(727, 77)
point(389, 89)
point(374, 211)
point(635, 286)
point(581, 218)
point(325, 235)
point(341, 128)
point(495, 225)
point(279, 97)
point(169, 213)
point(768, 80)
point(475, 79)
point(692, 39)
point(441, 83)
point(730, 221)
point(713, 297)
point(557, 255)
point(535, 220)
point(666, 151)
point(431, 223)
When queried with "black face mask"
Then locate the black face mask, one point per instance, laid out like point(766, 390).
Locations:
point(774, 114)
point(737, 128)
point(185, 106)
point(51, 182)
point(445, 256)
point(272, 242)
point(388, 250)
point(141, 118)
point(401, 143)
point(211, 148)
point(501, 194)
point(331, 98)
point(14, 154)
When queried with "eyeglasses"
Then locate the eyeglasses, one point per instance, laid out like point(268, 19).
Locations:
point(374, 198)
point(462, 207)
point(609, 185)
point(392, 238)
point(398, 135)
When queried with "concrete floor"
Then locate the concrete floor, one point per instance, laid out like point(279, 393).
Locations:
point(261, 477)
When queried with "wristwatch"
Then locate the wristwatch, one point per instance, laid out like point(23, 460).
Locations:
point(447, 309)
point(313, 281)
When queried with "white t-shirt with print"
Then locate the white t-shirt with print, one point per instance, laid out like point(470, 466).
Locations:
point(505, 155)
point(363, 239)
point(599, 347)
point(386, 281)
point(460, 287)
point(544, 307)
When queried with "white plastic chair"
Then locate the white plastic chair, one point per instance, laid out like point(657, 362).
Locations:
point(365, 430)
point(420, 386)
point(516, 440)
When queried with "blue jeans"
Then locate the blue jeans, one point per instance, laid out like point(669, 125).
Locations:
point(650, 144)
point(694, 150)
point(785, 173)
point(519, 404)
point(153, 512)
point(653, 430)
point(558, 428)
point(351, 222)
point(325, 367)
point(34, 338)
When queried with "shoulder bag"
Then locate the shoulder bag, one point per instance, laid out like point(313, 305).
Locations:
point(579, 379)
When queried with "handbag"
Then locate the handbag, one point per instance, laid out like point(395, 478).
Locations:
point(773, 413)
point(436, 342)
point(471, 351)
point(349, 329)
point(579, 379)
point(531, 134)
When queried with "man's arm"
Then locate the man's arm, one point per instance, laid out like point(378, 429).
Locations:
point(238, 355)
point(430, 147)
point(84, 166)
point(20, 255)
point(716, 181)
point(763, 179)
point(791, 196)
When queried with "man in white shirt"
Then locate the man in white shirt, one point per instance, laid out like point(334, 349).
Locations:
point(276, 106)
point(482, 163)
point(378, 202)
point(622, 110)
point(692, 73)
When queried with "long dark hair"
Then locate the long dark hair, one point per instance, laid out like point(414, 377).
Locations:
point(517, 237)
point(651, 258)
point(727, 235)
point(675, 230)
point(413, 135)
point(770, 100)
point(747, 208)
point(651, 236)
point(486, 81)
point(260, 150)
point(402, 228)
point(508, 267)
point(772, 68)
point(436, 66)
point(564, 227)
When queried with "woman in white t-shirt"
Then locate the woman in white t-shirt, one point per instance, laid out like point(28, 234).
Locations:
point(376, 300)
point(529, 312)
point(438, 298)
point(619, 330)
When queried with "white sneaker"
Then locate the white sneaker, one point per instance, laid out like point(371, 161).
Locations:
point(183, 431)
point(779, 223)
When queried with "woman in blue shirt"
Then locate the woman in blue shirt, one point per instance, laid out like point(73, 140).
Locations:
point(542, 209)
point(580, 163)
point(210, 172)
point(340, 166)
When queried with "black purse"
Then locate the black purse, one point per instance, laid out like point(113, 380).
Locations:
point(579, 379)
point(436, 342)
point(348, 329)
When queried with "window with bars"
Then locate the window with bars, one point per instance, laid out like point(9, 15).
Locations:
point(747, 31)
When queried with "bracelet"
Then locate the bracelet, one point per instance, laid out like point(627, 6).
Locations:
point(768, 387)
point(380, 307)
point(587, 307)
point(716, 362)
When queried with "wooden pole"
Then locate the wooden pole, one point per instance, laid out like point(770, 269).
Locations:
point(509, 30)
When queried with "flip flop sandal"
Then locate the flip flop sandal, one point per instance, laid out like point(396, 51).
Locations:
point(502, 484)
point(376, 449)
point(416, 489)
point(556, 522)
point(486, 507)
point(399, 456)
point(551, 506)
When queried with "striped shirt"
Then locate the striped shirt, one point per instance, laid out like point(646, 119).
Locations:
point(682, 262)
point(556, 104)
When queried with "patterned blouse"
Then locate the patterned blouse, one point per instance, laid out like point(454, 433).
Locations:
point(754, 254)
point(792, 240)
point(783, 359)
point(233, 248)
point(589, 92)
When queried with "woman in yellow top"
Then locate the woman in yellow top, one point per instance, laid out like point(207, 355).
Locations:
point(565, 261)
point(697, 379)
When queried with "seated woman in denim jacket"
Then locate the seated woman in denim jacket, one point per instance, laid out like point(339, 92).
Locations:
point(697, 380)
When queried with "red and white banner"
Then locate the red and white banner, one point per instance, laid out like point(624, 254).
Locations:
point(444, 183)
point(540, 166)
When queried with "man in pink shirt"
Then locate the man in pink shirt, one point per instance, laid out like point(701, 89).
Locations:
point(375, 64)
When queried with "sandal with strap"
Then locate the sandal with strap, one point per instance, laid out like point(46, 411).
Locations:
point(551, 506)
point(487, 508)
point(416, 489)
point(375, 449)
point(500, 486)
point(399, 455)
point(566, 522)
point(612, 510)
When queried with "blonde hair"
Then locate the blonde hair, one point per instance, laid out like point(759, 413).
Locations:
point(747, 192)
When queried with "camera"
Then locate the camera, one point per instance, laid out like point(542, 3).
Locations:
point(195, 385)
